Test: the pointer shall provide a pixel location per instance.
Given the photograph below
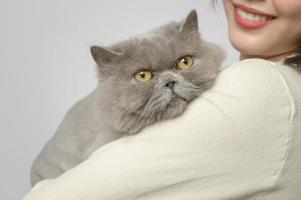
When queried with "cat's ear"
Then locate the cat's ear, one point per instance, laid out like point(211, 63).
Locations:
point(190, 24)
point(103, 56)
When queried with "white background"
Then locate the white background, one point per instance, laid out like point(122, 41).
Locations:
point(45, 64)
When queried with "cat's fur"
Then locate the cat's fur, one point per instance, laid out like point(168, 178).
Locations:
point(121, 105)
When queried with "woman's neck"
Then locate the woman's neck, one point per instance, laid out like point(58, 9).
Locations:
point(274, 58)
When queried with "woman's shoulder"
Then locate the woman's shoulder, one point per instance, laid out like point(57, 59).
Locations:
point(256, 87)
point(253, 77)
point(253, 69)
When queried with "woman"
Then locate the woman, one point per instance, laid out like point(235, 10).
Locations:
point(239, 141)
point(269, 29)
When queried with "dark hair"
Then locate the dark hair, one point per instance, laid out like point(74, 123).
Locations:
point(294, 61)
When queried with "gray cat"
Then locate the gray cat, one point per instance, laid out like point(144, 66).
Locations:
point(143, 80)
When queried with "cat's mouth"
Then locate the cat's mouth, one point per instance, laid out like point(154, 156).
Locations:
point(175, 95)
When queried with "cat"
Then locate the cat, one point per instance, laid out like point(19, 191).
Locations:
point(143, 80)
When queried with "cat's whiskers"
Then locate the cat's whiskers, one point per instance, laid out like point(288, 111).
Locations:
point(137, 124)
point(146, 109)
point(150, 118)
point(150, 110)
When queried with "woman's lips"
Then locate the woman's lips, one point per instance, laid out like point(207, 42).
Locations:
point(251, 18)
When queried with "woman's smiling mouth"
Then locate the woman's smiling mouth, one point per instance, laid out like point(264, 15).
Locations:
point(251, 18)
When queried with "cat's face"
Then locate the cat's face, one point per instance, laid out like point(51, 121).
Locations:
point(154, 76)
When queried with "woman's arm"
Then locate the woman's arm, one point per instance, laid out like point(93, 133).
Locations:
point(230, 142)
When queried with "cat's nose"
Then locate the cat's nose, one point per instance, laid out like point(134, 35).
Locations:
point(170, 84)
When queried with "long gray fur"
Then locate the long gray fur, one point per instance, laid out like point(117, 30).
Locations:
point(120, 105)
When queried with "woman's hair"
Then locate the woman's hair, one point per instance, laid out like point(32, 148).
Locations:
point(294, 61)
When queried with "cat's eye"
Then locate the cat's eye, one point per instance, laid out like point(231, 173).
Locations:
point(143, 75)
point(185, 62)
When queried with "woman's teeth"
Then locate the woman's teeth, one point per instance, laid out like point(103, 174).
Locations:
point(252, 17)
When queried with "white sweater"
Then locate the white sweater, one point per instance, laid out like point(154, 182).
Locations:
point(241, 140)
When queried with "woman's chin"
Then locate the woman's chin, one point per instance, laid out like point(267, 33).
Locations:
point(249, 49)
